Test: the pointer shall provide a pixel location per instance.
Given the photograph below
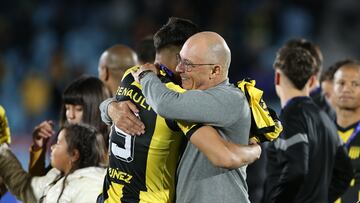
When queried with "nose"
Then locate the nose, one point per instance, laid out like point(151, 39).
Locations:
point(52, 147)
point(70, 114)
point(179, 68)
point(347, 87)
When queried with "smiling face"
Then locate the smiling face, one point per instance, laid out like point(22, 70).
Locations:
point(196, 64)
point(193, 76)
point(347, 87)
point(203, 61)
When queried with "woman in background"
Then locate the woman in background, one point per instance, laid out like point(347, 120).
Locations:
point(80, 104)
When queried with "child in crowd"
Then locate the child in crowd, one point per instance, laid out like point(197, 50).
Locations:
point(77, 171)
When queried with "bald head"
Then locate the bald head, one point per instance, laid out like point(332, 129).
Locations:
point(119, 57)
point(204, 61)
point(210, 47)
point(114, 62)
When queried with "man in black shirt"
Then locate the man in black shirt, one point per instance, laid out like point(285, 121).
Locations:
point(316, 91)
point(301, 162)
point(256, 171)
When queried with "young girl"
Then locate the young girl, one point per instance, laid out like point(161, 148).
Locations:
point(80, 103)
point(76, 176)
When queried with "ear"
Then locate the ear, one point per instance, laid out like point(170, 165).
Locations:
point(107, 74)
point(103, 73)
point(215, 71)
point(277, 78)
point(75, 155)
point(312, 81)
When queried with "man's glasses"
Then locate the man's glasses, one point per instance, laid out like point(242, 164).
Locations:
point(188, 65)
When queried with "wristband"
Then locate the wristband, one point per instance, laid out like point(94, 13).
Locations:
point(142, 74)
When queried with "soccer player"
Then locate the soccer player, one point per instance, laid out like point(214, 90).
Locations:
point(303, 162)
point(347, 96)
point(316, 92)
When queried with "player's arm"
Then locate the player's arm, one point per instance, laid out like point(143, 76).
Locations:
point(105, 113)
point(122, 113)
point(220, 152)
point(186, 105)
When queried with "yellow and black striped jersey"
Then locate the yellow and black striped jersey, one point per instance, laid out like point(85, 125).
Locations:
point(142, 168)
point(4, 127)
point(351, 137)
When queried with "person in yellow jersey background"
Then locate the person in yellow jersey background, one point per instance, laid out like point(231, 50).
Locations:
point(4, 127)
point(346, 95)
point(4, 138)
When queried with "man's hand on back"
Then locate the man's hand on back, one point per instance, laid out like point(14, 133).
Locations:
point(124, 115)
point(145, 67)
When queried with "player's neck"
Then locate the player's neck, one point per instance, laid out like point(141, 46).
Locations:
point(287, 90)
point(290, 93)
point(314, 86)
point(347, 117)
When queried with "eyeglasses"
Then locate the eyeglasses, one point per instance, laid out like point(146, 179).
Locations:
point(188, 65)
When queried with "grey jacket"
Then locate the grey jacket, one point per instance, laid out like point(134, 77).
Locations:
point(224, 107)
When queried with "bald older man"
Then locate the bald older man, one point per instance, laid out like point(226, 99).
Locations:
point(113, 63)
point(203, 64)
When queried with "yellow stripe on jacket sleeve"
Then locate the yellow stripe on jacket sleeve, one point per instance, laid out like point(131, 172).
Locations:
point(188, 128)
point(175, 87)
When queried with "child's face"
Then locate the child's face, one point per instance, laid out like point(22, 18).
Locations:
point(61, 159)
point(74, 113)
